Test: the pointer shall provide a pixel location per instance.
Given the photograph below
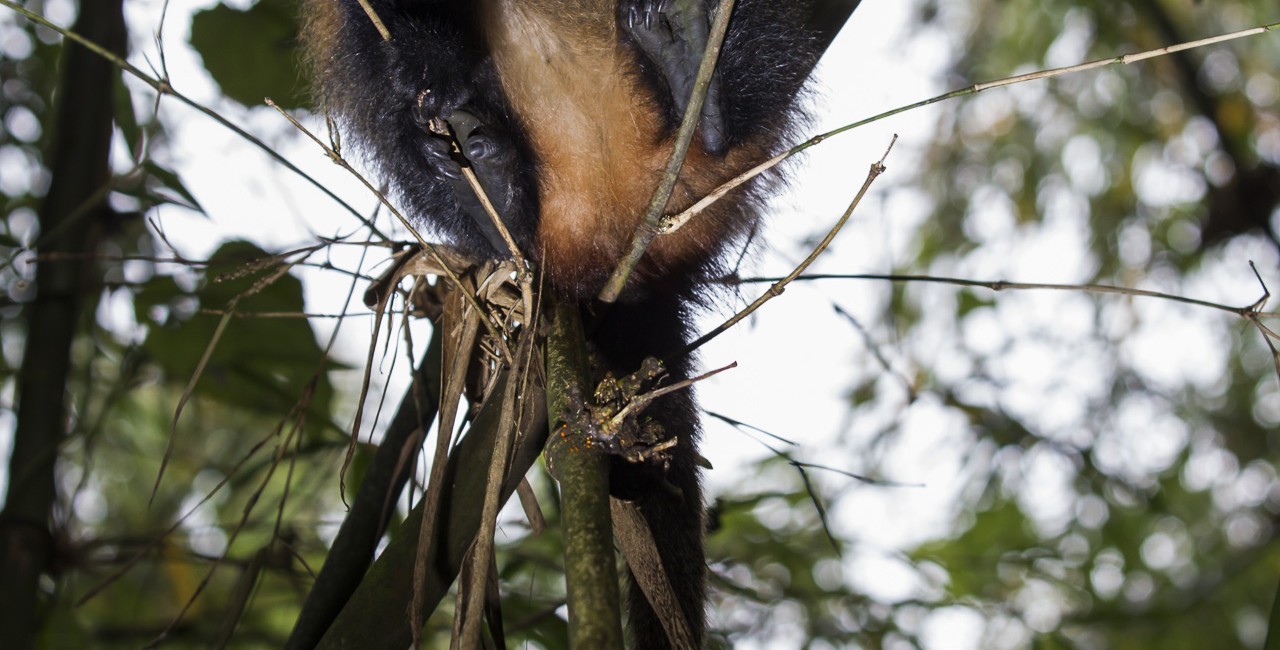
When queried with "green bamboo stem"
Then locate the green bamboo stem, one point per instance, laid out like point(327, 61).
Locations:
point(595, 619)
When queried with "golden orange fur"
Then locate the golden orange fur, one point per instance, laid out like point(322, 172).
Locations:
point(600, 140)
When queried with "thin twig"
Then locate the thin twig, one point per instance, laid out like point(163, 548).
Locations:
point(281, 314)
point(641, 401)
point(189, 391)
point(674, 222)
point(874, 347)
point(800, 465)
point(1246, 311)
point(492, 212)
point(1253, 312)
point(736, 423)
point(297, 418)
point(182, 519)
point(1252, 316)
point(877, 168)
point(375, 19)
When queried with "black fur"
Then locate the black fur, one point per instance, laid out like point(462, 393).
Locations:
point(386, 93)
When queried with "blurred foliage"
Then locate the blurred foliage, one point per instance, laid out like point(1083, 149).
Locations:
point(248, 353)
point(1146, 517)
point(1101, 502)
point(232, 519)
point(247, 65)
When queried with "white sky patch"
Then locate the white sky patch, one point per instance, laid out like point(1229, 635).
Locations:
point(1141, 438)
point(882, 575)
point(1045, 493)
point(1161, 184)
point(1082, 160)
point(1074, 39)
point(953, 628)
point(1174, 345)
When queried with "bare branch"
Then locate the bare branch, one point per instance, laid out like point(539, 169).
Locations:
point(877, 168)
point(675, 222)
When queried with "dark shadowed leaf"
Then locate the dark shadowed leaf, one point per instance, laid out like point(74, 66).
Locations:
point(266, 359)
point(251, 53)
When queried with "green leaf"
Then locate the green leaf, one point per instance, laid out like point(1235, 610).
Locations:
point(969, 301)
point(250, 53)
point(126, 120)
point(160, 291)
point(998, 536)
point(168, 180)
point(266, 359)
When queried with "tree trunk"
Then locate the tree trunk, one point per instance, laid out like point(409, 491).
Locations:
point(78, 160)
